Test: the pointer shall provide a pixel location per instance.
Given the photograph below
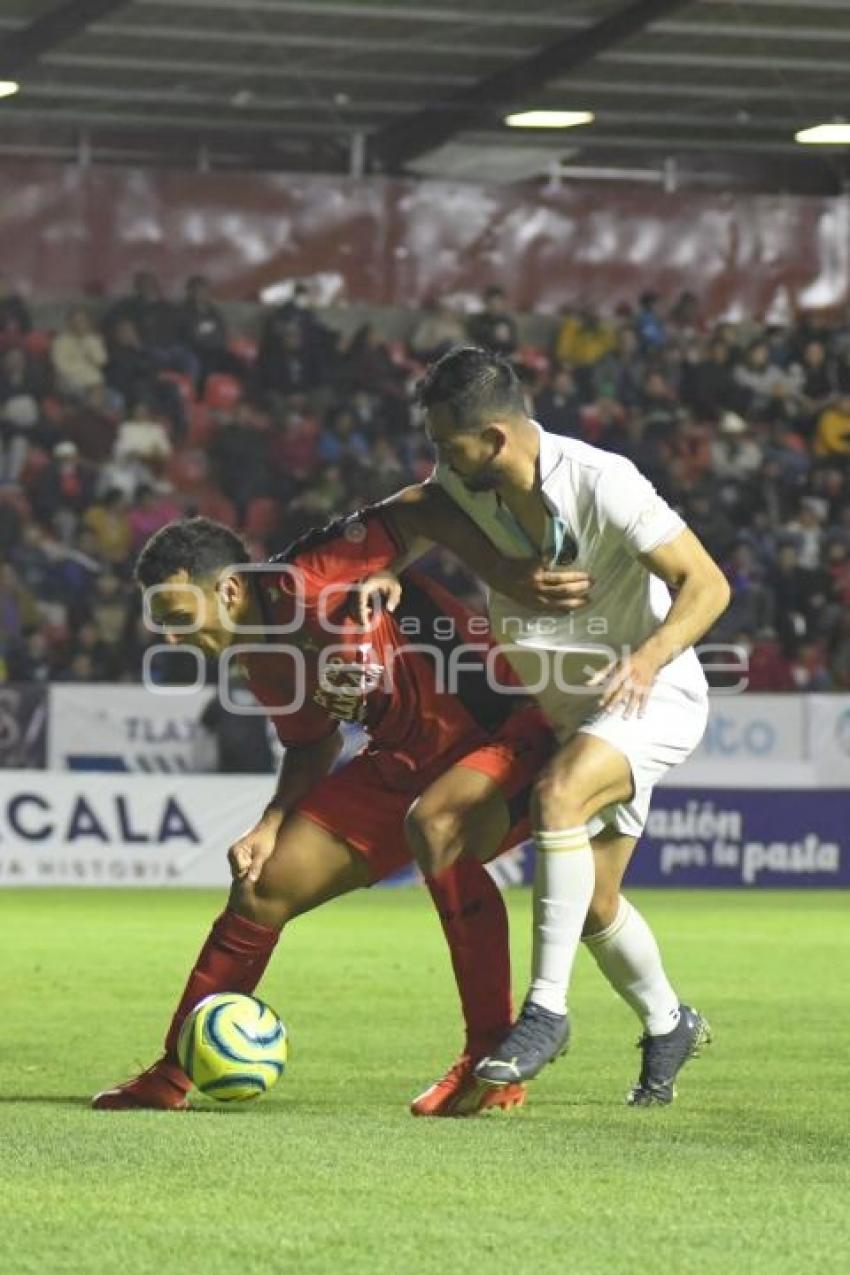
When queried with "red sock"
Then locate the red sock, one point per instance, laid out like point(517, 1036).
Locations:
point(233, 959)
point(475, 923)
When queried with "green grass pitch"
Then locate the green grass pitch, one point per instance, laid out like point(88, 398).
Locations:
point(746, 1173)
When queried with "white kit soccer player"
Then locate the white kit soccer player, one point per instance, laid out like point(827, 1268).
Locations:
point(617, 677)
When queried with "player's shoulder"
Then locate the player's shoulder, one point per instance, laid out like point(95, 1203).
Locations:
point(349, 528)
point(584, 465)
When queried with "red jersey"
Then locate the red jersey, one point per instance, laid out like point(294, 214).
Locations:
point(421, 673)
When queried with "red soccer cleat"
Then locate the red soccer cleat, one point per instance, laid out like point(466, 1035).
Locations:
point(163, 1087)
point(459, 1093)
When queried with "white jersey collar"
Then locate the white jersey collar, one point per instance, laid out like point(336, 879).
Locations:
point(551, 454)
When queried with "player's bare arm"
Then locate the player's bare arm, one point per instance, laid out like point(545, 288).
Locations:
point(425, 514)
point(301, 768)
point(701, 595)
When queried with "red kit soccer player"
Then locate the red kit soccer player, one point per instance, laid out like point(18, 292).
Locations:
point(426, 700)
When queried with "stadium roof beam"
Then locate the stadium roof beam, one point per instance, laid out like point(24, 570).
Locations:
point(27, 44)
point(414, 135)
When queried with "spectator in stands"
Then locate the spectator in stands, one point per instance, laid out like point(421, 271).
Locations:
point(780, 525)
point(767, 667)
point(131, 368)
point(31, 660)
point(150, 511)
point(20, 375)
point(88, 657)
point(366, 365)
point(708, 384)
point(582, 341)
point(157, 323)
point(621, 372)
point(805, 532)
point(341, 441)
point(810, 668)
point(67, 483)
point(239, 452)
point(19, 428)
point(15, 321)
point(436, 333)
point(767, 390)
point(288, 363)
point(143, 438)
point(78, 354)
point(558, 407)
point(108, 522)
point(293, 446)
point(735, 455)
point(659, 406)
point(649, 324)
point(301, 309)
point(685, 315)
point(19, 612)
point(132, 371)
point(795, 598)
point(833, 429)
point(110, 607)
point(91, 424)
point(494, 328)
point(204, 332)
point(818, 384)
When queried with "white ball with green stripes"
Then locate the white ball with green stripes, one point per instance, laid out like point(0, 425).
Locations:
point(232, 1047)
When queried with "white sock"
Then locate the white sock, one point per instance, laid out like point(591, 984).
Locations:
point(563, 887)
point(628, 956)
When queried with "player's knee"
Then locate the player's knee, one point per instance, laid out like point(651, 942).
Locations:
point(434, 836)
point(260, 905)
point(556, 803)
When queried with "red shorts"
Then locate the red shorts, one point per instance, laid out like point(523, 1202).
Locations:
point(357, 805)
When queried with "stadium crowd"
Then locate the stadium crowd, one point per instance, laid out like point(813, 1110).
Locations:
point(152, 408)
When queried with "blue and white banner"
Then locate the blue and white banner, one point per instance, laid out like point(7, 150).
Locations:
point(748, 838)
point(121, 728)
point(84, 829)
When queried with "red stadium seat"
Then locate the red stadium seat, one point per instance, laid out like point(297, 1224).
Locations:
point(183, 382)
point(262, 518)
point(222, 391)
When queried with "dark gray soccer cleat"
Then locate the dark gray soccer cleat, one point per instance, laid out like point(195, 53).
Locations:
point(537, 1037)
point(665, 1056)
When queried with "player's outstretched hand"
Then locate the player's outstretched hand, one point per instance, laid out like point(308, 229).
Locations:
point(547, 588)
point(247, 855)
point(380, 591)
point(627, 682)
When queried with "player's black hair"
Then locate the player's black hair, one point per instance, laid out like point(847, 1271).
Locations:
point(198, 546)
point(474, 385)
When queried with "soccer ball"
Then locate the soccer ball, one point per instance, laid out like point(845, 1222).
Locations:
point(232, 1047)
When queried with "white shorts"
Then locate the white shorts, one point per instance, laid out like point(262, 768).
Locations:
point(673, 724)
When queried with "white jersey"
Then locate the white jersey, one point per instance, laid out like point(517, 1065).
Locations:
point(602, 504)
